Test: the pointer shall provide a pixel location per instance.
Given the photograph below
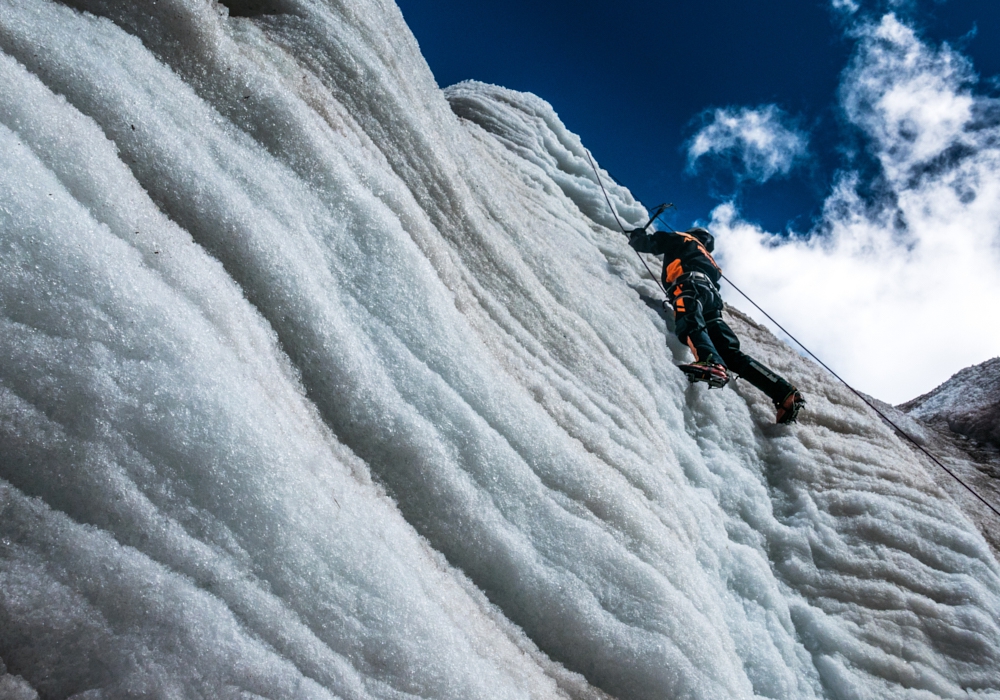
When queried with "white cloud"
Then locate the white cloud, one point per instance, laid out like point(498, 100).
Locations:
point(848, 6)
point(900, 292)
point(911, 101)
point(759, 139)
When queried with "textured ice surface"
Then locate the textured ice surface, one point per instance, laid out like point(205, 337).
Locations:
point(313, 384)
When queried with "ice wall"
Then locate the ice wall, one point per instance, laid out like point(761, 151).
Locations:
point(317, 381)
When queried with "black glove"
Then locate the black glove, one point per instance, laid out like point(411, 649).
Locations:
point(636, 232)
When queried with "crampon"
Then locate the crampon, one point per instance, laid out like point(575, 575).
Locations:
point(712, 374)
point(788, 410)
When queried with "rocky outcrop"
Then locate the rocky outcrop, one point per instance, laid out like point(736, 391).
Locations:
point(967, 404)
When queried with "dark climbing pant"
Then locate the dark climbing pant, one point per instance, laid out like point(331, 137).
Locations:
point(698, 322)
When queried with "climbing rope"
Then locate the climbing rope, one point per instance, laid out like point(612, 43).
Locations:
point(865, 399)
point(857, 393)
point(615, 214)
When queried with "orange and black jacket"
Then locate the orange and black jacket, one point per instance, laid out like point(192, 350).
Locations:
point(681, 253)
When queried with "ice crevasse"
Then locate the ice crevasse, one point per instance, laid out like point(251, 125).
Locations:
point(317, 381)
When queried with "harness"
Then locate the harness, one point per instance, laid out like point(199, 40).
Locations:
point(692, 276)
point(693, 279)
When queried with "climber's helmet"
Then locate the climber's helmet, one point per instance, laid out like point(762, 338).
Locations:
point(702, 234)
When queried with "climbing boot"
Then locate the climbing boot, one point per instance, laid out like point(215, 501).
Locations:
point(789, 407)
point(713, 374)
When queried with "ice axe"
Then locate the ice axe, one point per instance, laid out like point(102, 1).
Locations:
point(659, 210)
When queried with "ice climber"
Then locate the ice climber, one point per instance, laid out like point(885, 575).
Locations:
point(691, 278)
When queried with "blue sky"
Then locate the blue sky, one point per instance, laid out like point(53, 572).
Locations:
point(636, 78)
point(868, 128)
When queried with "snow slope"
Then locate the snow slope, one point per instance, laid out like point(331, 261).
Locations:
point(317, 381)
point(959, 421)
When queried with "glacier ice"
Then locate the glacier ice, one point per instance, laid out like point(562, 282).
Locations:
point(319, 381)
